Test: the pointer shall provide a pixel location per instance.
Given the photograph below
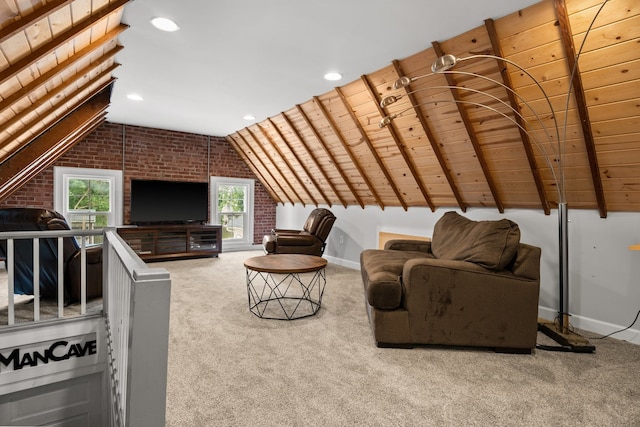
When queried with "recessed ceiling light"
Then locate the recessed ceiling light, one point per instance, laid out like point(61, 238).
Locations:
point(165, 24)
point(249, 117)
point(332, 76)
point(135, 97)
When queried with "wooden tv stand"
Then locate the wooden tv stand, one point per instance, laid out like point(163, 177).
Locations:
point(166, 242)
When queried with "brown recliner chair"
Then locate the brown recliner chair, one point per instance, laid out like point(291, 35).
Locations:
point(35, 219)
point(309, 241)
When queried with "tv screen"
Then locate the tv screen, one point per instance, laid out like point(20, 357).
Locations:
point(168, 202)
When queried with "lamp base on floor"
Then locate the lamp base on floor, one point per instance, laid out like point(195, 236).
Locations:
point(567, 339)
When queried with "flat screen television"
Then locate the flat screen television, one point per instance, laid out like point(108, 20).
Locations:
point(168, 202)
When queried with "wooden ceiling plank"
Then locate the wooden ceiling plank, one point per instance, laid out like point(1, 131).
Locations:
point(372, 149)
point(36, 84)
point(265, 168)
point(58, 41)
point(526, 141)
point(317, 185)
point(275, 166)
point(578, 91)
point(432, 140)
point(253, 167)
point(401, 148)
point(472, 136)
point(41, 13)
point(286, 161)
point(49, 146)
point(40, 123)
point(331, 156)
point(50, 96)
point(355, 162)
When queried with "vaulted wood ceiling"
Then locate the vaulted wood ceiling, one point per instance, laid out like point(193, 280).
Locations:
point(56, 63)
point(454, 147)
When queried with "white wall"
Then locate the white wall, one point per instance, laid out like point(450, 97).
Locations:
point(604, 281)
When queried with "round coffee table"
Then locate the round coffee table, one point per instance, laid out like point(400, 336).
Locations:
point(285, 286)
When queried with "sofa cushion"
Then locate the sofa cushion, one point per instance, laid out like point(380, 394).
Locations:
point(382, 271)
point(491, 244)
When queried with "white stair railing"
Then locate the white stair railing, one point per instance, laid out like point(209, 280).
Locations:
point(10, 238)
point(136, 310)
point(135, 307)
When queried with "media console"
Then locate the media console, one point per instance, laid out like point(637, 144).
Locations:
point(166, 242)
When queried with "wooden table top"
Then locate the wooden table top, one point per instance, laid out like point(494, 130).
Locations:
point(285, 263)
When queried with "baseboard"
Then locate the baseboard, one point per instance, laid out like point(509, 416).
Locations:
point(596, 327)
point(343, 262)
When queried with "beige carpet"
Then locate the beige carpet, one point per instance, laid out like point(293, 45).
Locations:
point(229, 368)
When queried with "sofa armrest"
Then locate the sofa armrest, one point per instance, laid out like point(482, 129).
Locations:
point(285, 231)
point(408, 245)
point(296, 240)
point(527, 262)
point(461, 303)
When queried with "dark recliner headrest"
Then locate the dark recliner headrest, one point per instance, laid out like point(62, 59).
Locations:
point(28, 219)
point(319, 223)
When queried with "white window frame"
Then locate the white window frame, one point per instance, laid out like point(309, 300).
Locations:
point(246, 242)
point(61, 177)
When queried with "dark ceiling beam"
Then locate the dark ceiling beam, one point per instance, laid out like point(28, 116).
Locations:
point(342, 140)
point(526, 141)
point(395, 135)
point(286, 161)
point(61, 39)
point(581, 102)
point(44, 150)
point(329, 154)
point(308, 154)
point(256, 170)
point(472, 134)
point(432, 140)
point(275, 167)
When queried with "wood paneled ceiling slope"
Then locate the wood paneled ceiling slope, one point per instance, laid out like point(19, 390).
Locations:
point(56, 63)
point(450, 150)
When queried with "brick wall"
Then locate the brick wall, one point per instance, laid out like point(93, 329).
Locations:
point(151, 154)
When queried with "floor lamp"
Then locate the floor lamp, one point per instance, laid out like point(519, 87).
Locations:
point(553, 154)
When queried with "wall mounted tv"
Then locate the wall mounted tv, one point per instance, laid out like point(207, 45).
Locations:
point(168, 202)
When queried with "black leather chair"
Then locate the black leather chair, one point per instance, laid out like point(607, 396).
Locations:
point(35, 219)
point(309, 241)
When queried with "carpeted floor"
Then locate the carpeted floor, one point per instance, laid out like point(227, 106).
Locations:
point(228, 367)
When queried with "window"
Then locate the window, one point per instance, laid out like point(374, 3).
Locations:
point(232, 208)
point(90, 199)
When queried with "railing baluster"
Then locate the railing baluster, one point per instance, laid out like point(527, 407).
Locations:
point(10, 279)
point(60, 278)
point(83, 276)
point(36, 279)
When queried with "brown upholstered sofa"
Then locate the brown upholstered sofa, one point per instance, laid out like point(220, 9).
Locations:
point(311, 240)
point(473, 285)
